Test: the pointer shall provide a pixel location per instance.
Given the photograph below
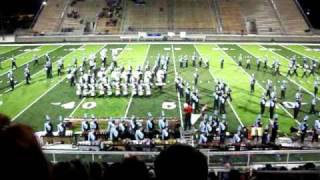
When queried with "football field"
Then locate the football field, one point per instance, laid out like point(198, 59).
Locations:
point(30, 103)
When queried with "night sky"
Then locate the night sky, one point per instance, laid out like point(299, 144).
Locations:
point(312, 10)
point(12, 7)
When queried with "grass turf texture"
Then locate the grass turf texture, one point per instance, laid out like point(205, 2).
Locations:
point(29, 103)
point(6, 49)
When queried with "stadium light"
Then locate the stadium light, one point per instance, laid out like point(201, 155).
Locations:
point(44, 3)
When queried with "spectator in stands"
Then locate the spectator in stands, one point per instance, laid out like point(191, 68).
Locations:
point(95, 171)
point(21, 155)
point(132, 168)
point(181, 162)
point(80, 172)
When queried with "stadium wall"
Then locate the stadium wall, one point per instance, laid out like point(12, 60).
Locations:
point(193, 37)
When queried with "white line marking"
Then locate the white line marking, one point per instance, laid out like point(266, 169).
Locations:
point(231, 106)
point(294, 82)
point(299, 53)
point(36, 100)
point(130, 101)
point(128, 107)
point(47, 52)
point(9, 50)
point(76, 108)
point(34, 75)
point(176, 73)
point(285, 110)
point(18, 55)
point(166, 42)
point(83, 99)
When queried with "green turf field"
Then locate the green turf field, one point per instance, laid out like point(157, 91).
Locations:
point(30, 103)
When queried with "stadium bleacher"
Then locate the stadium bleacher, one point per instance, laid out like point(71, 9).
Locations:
point(232, 19)
point(86, 11)
point(50, 17)
point(201, 16)
point(290, 17)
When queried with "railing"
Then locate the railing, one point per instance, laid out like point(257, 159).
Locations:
point(304, 15)
point(216, 160)
point(35, 19)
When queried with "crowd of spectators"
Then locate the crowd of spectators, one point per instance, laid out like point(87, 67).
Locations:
point(22, 157)
point(113, 12)
point(73, 14)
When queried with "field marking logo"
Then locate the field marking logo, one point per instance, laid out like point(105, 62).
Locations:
point(69, 105)
point(56, 103)
point(169, 105)
point(89, 105)
point(290, 105)
point(313, 49)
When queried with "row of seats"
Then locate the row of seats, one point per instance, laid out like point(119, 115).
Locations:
point(270, 16)
point(50, 17)
point(290, 16)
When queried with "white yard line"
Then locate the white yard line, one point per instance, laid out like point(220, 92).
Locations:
point(157, 42)
point(76, 108)
point(283, 108)
point(176, 73)
point(130, 101)
point(18, 55)
point(21, 65)
point(83, 99)
point(80, 103)
point(294, 82)
point(128, 107)
point(7, 51)
point(35, 75)
point(36, 100)
point(299, 53)
point(230, 104)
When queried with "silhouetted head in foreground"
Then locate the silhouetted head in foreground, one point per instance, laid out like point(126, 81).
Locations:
point(181, 162)
point(20, 153)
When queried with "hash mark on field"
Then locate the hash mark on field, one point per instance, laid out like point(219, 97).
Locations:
point(301, 54)
point(284, 109)
point(36, 100)
point(35, 75)
point(21, 65)
point(130, 101)
point(294, 82)
point(175, 72)
point(231, 106)
point(83, 99)
point(14, 56)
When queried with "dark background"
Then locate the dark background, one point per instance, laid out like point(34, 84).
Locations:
point(20, 13)
point(311, 7)
point(17, 13)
